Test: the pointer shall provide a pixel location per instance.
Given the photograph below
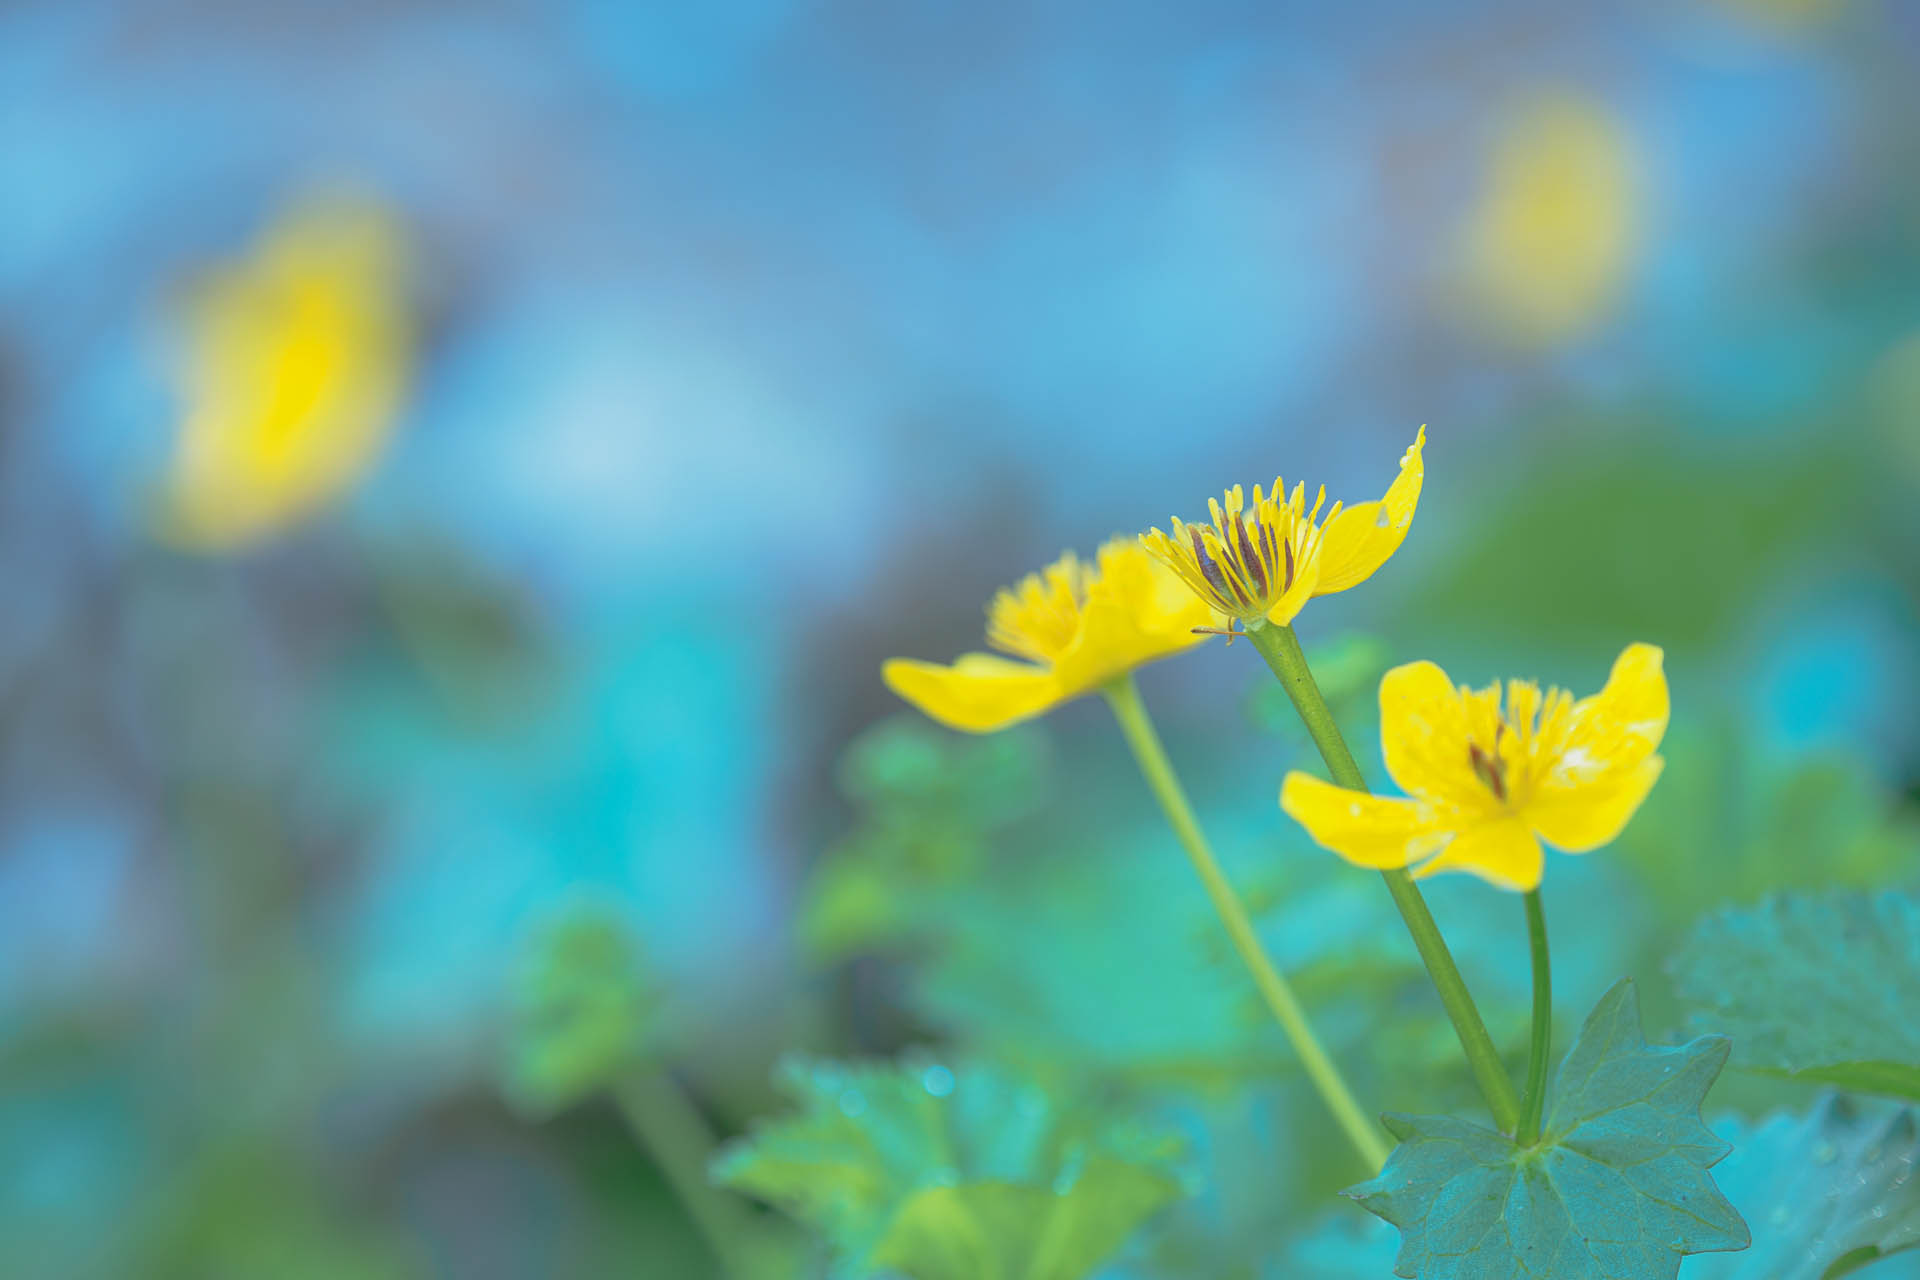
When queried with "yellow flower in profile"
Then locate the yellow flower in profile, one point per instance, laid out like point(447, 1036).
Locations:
point(1549, 245)
point(1078, 626)
point(1262, 562)
point(1488, 782)
point(294, 365)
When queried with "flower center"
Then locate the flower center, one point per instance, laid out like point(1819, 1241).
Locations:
point(1250, 555)
point(1039, 618)
point(1489, 766)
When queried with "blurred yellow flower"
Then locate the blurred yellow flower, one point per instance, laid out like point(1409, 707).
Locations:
point(1077, 625)
point(1487, 784)
point(295, 363)
point(1550, 242)
point(1263, 562)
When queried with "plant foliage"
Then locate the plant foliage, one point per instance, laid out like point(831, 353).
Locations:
point(1616, 1189)
point(1824, 987)
point(968, 1173)
point(583, 1012)
point(1828, 1193)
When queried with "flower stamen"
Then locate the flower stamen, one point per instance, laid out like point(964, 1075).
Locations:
point(1039, 617)
point(1489, 767)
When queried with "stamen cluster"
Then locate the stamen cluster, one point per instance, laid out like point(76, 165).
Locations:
point(1251, 556)
point(1038, 617)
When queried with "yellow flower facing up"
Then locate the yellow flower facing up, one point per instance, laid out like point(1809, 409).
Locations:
point(1076, 625)
point(1263, 562)
point(1487, 781)
point(293, 370)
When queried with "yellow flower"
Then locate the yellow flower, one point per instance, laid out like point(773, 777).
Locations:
point(1262, 563)
point(1488, 783)
point(1554, 236)
point(1077, 626)
point(295, 362)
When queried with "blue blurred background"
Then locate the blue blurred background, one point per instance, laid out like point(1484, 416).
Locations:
point(753, 342)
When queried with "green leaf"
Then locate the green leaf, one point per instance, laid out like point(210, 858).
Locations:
point(583, 1012)
point(1822, 987)
point(1616, 1189)
point(953, 1174)
point(1828, 1192)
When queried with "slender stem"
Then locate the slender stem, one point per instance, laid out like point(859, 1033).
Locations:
point(1281, 648)
point(1534, 1099)
point(677, 1138)
point(1124, 696)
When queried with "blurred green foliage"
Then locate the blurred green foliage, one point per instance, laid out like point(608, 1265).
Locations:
point(1823, 987)
point(584, 1012)
point(968, 1172)
point(927, 803)
point(1827, 1193)
point(1616, 528)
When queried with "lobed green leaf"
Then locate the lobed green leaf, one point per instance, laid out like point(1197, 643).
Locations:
point(1616, 1189)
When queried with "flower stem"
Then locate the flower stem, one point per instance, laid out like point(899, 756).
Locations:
point(1281, 648)
point(1124, 696)
point(1534, 1099)
point(675, 1135)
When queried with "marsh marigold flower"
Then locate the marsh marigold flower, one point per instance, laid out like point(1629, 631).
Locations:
point(294, 364)
point(1488, 780)
point(1553, 239)
point(1075, 626)
point(1262, 562)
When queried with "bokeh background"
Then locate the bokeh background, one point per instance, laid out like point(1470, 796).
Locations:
point(673, 365)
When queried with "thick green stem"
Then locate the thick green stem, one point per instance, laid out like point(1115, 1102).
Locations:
point(1281, 648)
point(1533, 1100)
point(678, 1139)
point(1124, 697)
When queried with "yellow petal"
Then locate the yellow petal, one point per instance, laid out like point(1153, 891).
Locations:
point(1587, 817)
point(1137, 611)
point(1503, 853)
point(1295, 597)
point(1615, 730)
point(1359, 539)
point(1424, 734)
point(1368, 831)
point(978, 693)
point(1158, 605)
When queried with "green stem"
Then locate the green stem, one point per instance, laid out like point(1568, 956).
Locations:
point(1124, 696)
point(677, 1138)
point(1281, 648)
point(1534, 1099)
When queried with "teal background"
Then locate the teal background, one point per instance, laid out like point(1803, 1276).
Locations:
point(762, 341)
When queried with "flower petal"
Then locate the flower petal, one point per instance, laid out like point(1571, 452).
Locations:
point(1615, 730)
point(1584, 818)
point(1368, 831)
point(1295, 597)
point(1424, 735)
point(1360, 538)
point(1137, 611)
point(978, 693)
point(1503, 853)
